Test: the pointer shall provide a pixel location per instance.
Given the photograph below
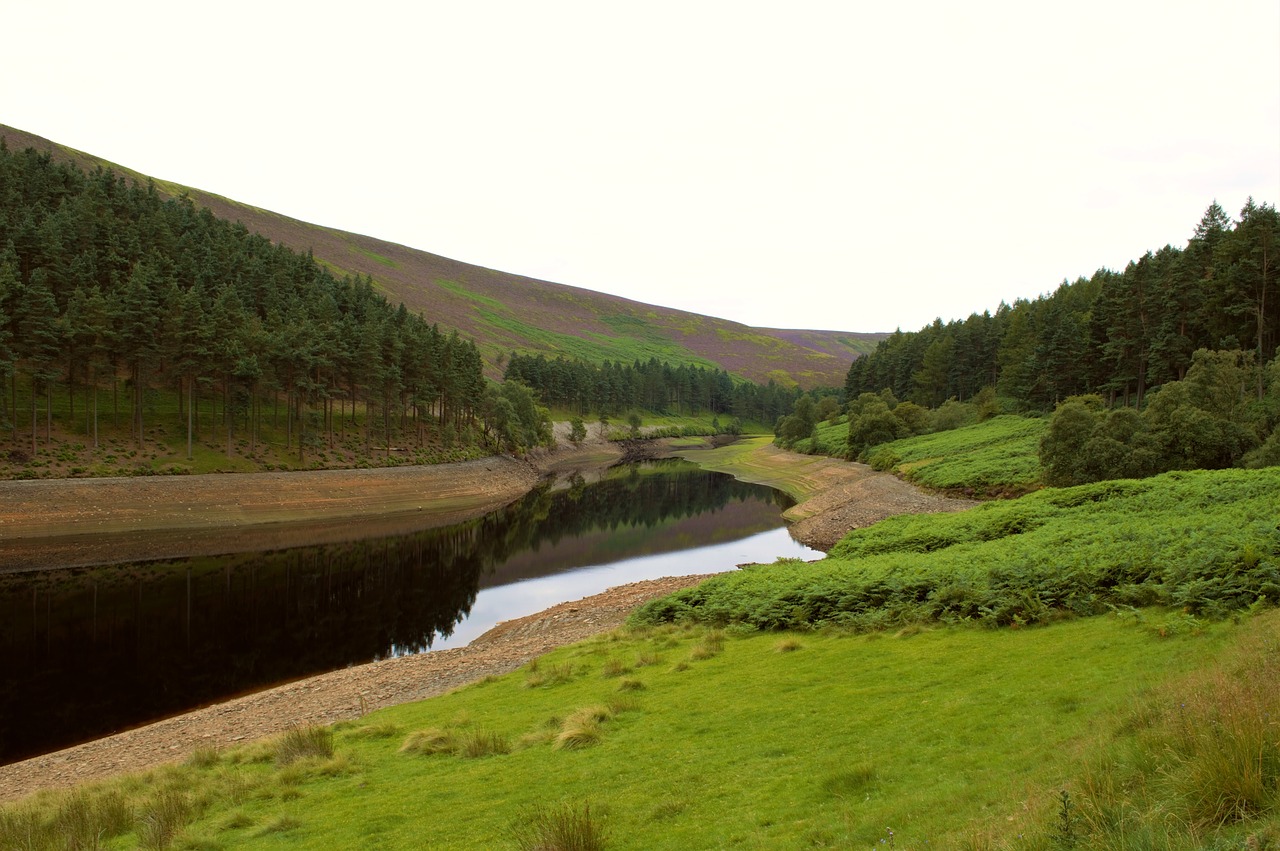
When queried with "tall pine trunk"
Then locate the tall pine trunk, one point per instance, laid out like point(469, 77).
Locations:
point(191, 406)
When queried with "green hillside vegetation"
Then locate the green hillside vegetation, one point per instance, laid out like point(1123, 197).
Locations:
point(504, 312)
point(996, 457)
point(1225, 412)
point(1203, 542)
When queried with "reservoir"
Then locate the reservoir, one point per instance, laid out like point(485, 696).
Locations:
point(86, 652)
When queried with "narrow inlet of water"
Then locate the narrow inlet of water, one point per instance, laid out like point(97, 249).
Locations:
point(87, 652)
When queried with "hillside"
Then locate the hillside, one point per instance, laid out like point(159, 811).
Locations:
point(505, 312)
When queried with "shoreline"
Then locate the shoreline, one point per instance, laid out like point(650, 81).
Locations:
point(336, 696)
point(832, 496)
point(53, 523)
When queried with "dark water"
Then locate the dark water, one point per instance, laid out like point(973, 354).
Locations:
point(87, 652)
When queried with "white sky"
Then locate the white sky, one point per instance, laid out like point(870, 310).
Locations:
point(833, 165)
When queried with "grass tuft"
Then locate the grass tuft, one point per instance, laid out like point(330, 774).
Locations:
point(555, 675)
point(430, 742)
point(1205, 746)
point(204, 758)
point(304, 742)
point(853, 783)
point(613, 668)
point(562, 827)
point(476, 743)
point(280, 824)
point(163, 817)
point(646, 658)
point(385, 730)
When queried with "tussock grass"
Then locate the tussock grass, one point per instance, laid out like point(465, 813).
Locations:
point(304, 742)
point(204, 757)
point(620, 704)
point(581, 729)
point(1205, 746)
point(79, 819)
point(787, 645)
point(238, 821)
point(475, 743)
point(646, 658)
point(166, 814)
point(583, 735)
point(850, 783)
point(538, 676)
point(630, 684)
point(469, 742)
point(280, 824)
point(614, 668)
point(430, 742)
point(382, 730)
point(560, 827)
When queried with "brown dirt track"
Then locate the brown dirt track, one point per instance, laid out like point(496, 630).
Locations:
point(49, 522)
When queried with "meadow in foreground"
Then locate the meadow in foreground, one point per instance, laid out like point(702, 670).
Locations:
point(683, 737)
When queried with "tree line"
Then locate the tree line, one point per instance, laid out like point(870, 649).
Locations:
point(612, 388)
point(107, 286)
point(1116, 334)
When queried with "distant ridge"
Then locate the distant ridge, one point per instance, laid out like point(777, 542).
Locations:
point(505, 312)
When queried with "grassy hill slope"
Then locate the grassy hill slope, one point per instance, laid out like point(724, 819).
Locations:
point(505, 312)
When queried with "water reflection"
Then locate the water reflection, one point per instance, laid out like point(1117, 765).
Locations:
point(85, 652)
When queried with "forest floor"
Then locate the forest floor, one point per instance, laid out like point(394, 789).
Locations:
point(52, 522)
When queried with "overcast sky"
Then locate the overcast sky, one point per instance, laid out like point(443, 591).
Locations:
point(834, 165)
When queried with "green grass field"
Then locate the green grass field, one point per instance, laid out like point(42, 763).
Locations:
point(997, 457)
point(683, 738)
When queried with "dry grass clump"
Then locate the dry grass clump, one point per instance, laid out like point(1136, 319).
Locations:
point(614, 668)
point(711, 645)
point(1206, 748)
point(562, 827)
point(787, 645)
point(429, 742)
point(537, 676)
point(163, 817)
point(204, 758)
point(384, 730)
point(304, 742)
point(80, 820)
point(478, 742)
point(471, 742)
point(582, 728)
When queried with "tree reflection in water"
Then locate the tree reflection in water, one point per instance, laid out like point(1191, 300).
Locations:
point(89, 651)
